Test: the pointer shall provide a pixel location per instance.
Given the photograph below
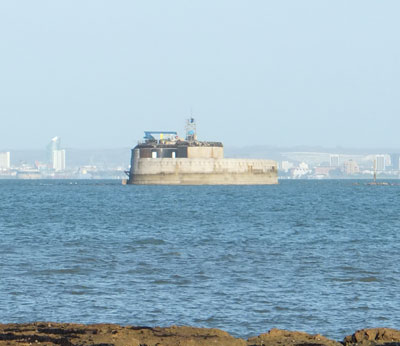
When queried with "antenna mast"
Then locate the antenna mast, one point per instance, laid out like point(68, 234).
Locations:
point(191, 133)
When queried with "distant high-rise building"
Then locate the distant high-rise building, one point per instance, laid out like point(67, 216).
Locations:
point(56, 155)
point(58, 160)
point(5, 160)
point(395, 160)
point(380, 162)
point(334, 160)
point(55, 144)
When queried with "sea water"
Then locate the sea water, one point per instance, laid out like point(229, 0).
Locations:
point(317, 256)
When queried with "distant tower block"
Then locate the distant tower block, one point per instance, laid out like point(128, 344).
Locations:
point(380, 162)
point(395, 159)
point(55, 144)
point(191, 133)
point(334, 160)
point(59, 160)
point(5, 160)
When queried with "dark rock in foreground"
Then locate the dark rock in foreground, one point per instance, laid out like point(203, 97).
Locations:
point(285, 337)
point(374, 336)
point(68, 334)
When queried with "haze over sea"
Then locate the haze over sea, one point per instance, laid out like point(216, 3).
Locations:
point(317, 256)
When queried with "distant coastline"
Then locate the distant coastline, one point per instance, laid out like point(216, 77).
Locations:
point(294, 162)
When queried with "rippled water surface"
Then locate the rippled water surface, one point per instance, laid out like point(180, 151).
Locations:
point(317, 256)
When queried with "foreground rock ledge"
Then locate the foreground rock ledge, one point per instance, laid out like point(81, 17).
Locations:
point(68, 334)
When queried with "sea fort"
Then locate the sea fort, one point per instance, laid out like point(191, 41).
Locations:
point(163, 158)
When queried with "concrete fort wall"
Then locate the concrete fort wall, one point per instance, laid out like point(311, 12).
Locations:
point(186, 171)
point(205, 152)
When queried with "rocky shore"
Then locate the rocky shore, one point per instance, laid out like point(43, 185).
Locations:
point(67, 334)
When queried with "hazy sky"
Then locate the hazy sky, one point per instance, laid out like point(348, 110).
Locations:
point(254, 72)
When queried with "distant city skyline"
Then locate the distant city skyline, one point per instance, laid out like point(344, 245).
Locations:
point(99, 73)
point(294, 163)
